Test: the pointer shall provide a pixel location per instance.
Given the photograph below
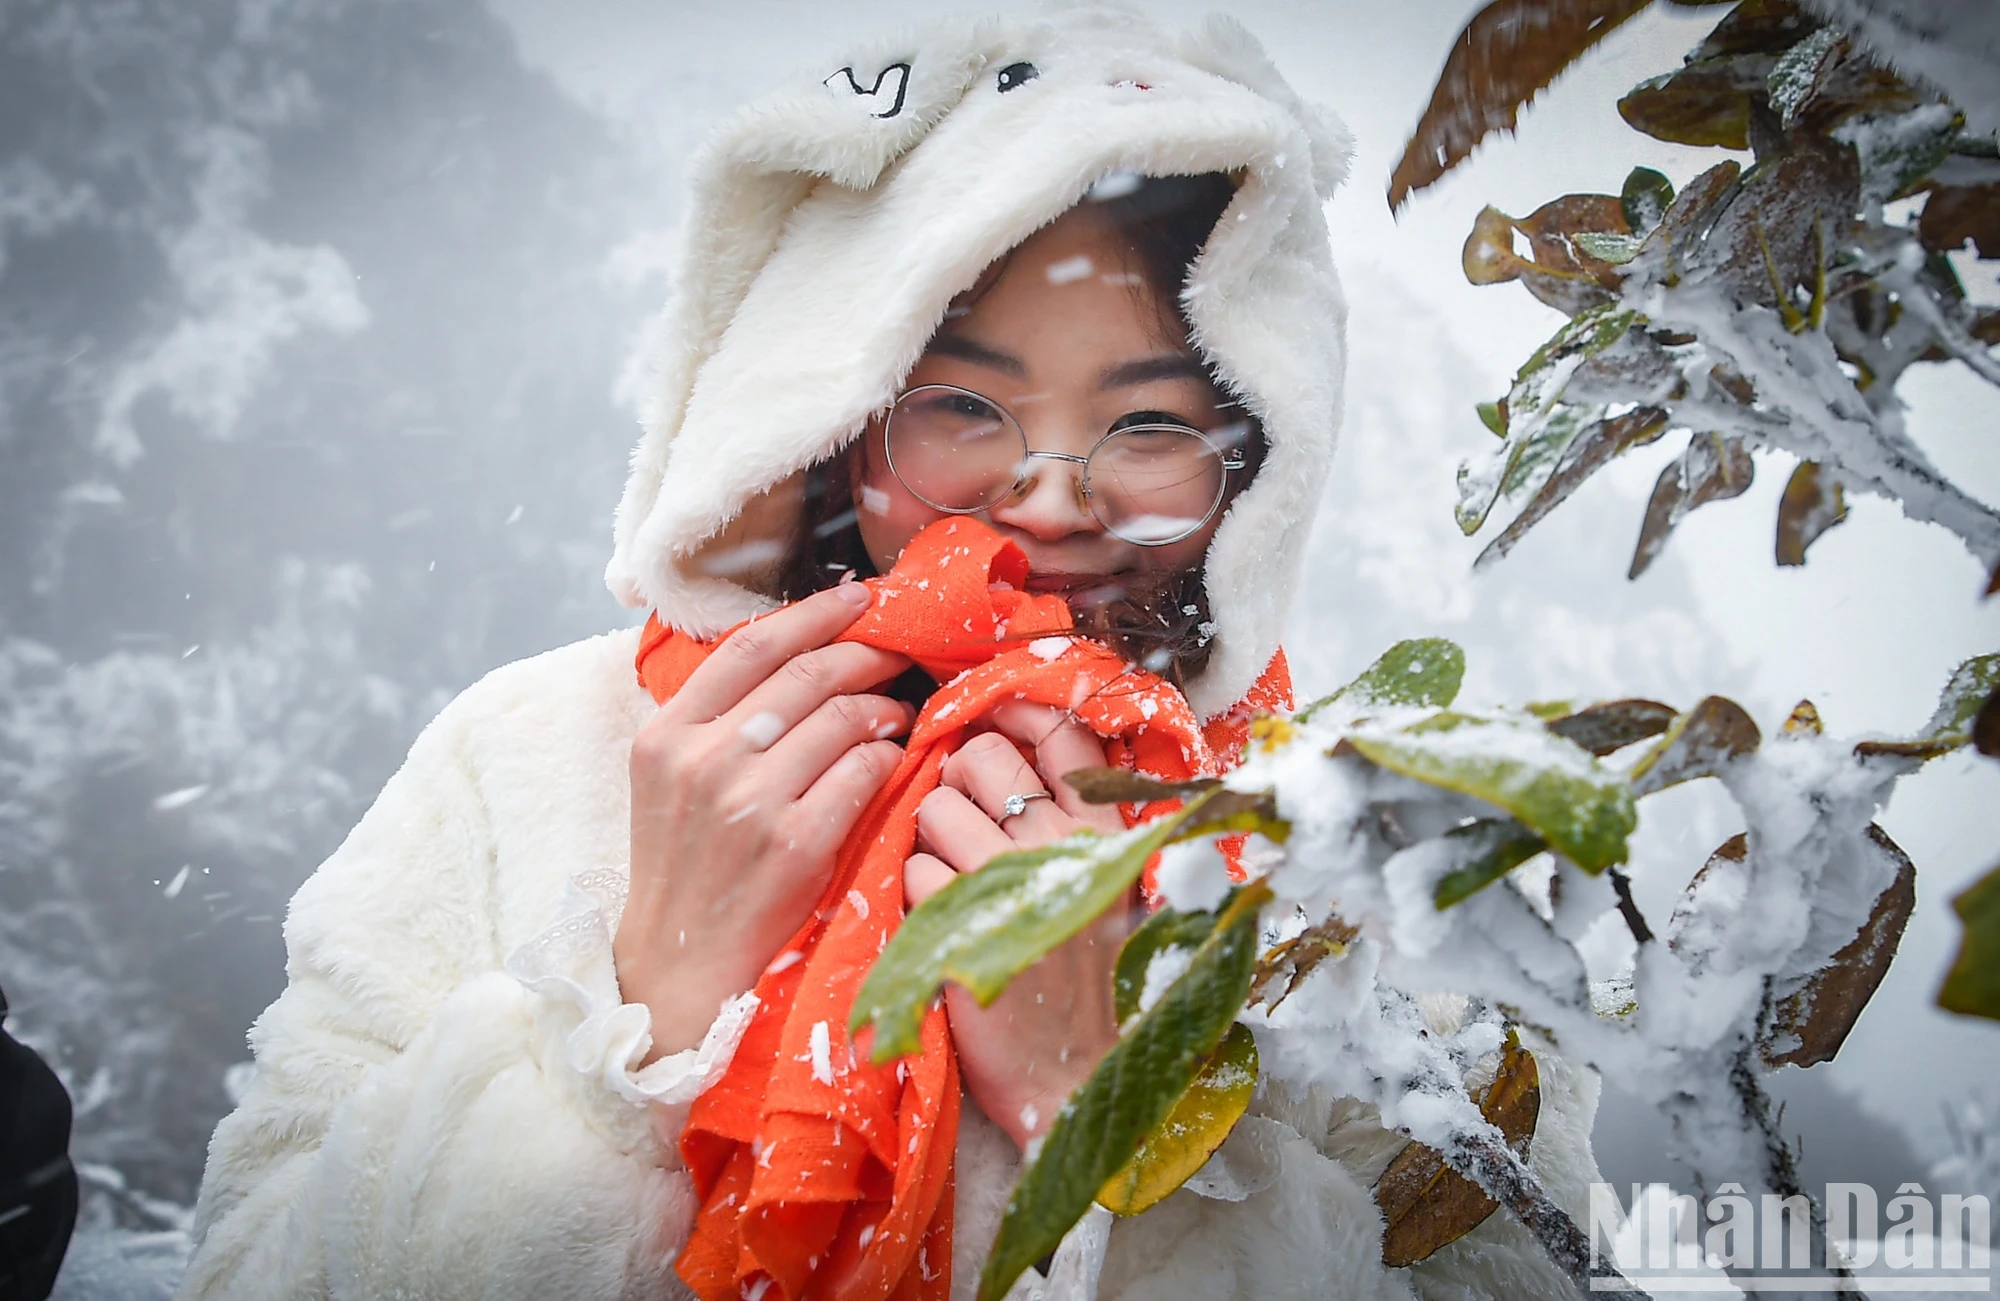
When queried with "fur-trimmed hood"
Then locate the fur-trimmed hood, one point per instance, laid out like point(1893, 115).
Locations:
point(833, 222)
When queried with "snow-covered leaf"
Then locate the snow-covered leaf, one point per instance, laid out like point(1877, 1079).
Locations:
point(1553, 786)
point(1897, 150)
point(1607, 247)
point(1772, 240)
point(1800, 73)
point(1508, 52)
point(1587, 453)
point(1291, 961)
point(1972, 986)
point(1806, 1025)
point(1423, 672)
point(1951, 723)
point(1530, 455)
point(1645, 198)
point(1426, 1205)
point(1165, 931)
point(1680, 231)
point(1714, 468)
point(1181, 1146)
point(1130, 1095)
point(1812, 503)
point(1698, 744)
point(1486, 850)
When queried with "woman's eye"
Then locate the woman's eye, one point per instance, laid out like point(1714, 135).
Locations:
point(971, 407)
point(1132, 419)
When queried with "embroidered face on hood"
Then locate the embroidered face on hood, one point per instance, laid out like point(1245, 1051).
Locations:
point(834, 223)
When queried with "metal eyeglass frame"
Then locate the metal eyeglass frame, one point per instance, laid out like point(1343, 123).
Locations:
point(1229, 459)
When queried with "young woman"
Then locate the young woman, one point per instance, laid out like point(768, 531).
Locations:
point(1066, 282)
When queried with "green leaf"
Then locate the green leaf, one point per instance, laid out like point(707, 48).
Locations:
point(1951, 723)
point(1973, 984)
point(987, 927)
point(1165, 930)
point(1176, 1151)
point(1583, 809)
point(1491, 848)
point(1495, 420)
point(1608, 247)
point(1646, 196)
point(1423, 673)
point(1130, 1095)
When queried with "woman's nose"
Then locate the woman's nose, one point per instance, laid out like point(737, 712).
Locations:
point(1048, 503)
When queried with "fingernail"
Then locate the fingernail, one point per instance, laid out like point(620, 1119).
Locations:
point(856, 594)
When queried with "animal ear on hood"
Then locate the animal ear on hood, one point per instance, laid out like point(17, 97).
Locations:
point(833, 222)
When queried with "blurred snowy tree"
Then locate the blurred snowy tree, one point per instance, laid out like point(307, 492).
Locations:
point(260, 496)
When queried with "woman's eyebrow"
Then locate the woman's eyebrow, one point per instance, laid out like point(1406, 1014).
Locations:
point(955, 345)
point(1167, 365)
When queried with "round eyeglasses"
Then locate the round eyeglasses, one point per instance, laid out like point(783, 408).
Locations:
point(1149, 484)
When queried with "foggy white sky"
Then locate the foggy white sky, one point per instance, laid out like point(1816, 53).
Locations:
point(1869, 629)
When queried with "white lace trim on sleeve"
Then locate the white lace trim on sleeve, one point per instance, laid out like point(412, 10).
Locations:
point(569, 962)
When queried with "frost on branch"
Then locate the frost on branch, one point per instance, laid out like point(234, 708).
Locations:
point(1390, 826)
point(1758, 310)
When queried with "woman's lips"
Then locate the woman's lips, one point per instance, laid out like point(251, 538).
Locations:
point(1085, 589)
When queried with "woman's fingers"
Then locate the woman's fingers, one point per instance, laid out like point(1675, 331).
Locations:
point(1062, 745)
point(821, 818)
point(801, 756)
point(806, 683)
point(958, 831)
point(755, 651)
point(923, 876)
point(989, 769)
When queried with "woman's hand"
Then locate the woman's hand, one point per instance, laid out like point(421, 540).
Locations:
point(744, 785)
point(1022, 1057)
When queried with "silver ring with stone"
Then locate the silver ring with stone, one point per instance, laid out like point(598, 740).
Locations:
point(1015, 805)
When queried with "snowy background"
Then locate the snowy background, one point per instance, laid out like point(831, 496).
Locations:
point(318, 326)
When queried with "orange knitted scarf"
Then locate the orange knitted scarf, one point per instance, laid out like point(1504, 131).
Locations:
point(821, 1175)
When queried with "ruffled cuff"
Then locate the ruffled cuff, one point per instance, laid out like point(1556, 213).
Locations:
point(570, 964)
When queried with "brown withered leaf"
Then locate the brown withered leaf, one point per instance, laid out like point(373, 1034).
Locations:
point(1559, 272)
point(1804, 720)
point(1712, 469)
point(1986, 726)
point(1953, 216)
point(1807, 1025)
point(1508, 52)
point(1697, 744)
point(1291, 961)
point(1425, 1204)
point(1615, 724)
point(1812, 504)
point(1706, 103)
point(1775, 236)
point(1688, 217)
point(1757, 27)
point(1594, 448)
point(1117, 786)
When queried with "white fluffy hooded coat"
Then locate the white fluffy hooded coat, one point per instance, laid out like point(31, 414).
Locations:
point(444, 1103)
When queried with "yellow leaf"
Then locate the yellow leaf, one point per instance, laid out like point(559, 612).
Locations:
point(1200, 1121)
